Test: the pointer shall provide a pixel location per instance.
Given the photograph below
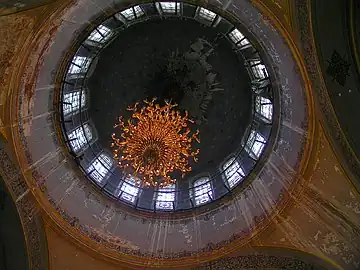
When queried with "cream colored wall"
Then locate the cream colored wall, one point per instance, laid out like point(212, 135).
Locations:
point(65, 255)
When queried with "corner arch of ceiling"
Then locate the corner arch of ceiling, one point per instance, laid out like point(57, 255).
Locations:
point(333, 90)
point(28, 212)
point(32, 66)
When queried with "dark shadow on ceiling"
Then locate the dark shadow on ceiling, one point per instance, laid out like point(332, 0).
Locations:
point(13, 255)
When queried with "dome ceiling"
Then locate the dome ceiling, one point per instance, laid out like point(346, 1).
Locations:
point(119, 230)
point(215, 73)
point(139, 64)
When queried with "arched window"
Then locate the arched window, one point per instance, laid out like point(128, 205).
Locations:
point(255, 144)
point(259, 70)
point(168, 7)
point(233, 172)
point(79, 64)
point(206, 14)
point(129, 190)
point(202, 191)
point(72, 103)
point(165, 197)
point(100, 167)
point(101, 34)
point(130, 14)
point(264, 108)
point(79, 137)
point(238, 38)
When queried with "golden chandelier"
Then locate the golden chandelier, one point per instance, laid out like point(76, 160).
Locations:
point(155, 142)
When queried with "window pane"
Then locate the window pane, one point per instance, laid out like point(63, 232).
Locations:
point(202, 190)
point(138, 11)
point(100, 167)
point(129, 189)
point(128, 14)
point(238, 38)
point(101, 34)
point(258, 69)
point(258, 145)
point(79, 137)
point(165, 197)
point(169, 7)
point(207, 14)
point(233, 172)
point(235, 35)
point(264, 107)
point(79, 64)
point(71, 102)
point(255, 144)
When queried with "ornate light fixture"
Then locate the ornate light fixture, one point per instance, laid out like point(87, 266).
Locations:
point(155, 142)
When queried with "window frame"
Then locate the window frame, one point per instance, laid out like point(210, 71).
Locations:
point(238, 38)
point(261, 103)
point(258, 68)
point(206, 14)
point(165, 204)
point(236, 171)
point(130, 14)
point(84, 129)
point(163, 9)
point(79, 65)
point(100, 171)
point(126, 188)
point(102, 33)
point(198, 199)
point(255, 138)
point(77, 96)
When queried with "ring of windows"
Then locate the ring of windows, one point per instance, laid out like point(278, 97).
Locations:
point(202, 190)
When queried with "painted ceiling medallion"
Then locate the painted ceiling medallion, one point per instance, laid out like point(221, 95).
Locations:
point(155, 142)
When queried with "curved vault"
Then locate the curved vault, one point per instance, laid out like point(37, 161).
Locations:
point(81, 211)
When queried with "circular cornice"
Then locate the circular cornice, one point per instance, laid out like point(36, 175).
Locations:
point(34, 165)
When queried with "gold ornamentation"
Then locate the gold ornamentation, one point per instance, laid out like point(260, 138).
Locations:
point(155, 142)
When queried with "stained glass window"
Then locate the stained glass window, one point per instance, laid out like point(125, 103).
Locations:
point(129, 190)
point(79, 137)
point(71, 102)
point(165, 198)
point(233, 172)
point(203, 192)
point(100, 167)
point(79, 64)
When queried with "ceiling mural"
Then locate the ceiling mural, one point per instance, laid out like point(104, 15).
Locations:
point(298, 197)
